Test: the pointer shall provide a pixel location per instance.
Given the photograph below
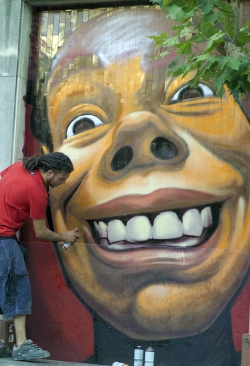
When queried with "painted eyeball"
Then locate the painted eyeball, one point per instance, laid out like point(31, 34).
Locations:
point(83, 123)
point(188, 92)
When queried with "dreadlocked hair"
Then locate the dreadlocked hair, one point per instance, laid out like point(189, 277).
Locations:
point(56, 161)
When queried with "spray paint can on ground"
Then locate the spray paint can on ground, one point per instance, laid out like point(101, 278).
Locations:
point(138, 356)
point(149, 357)
point(119, 364)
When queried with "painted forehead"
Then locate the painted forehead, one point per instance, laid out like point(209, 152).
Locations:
point(113, 38)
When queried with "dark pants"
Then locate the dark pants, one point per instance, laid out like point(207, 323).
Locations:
point(15, 292)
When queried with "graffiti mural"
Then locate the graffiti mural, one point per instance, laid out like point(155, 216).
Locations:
point(160, 190)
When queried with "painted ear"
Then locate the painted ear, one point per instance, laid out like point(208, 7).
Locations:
point(45, 150)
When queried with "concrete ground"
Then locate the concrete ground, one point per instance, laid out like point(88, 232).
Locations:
point(9, 362)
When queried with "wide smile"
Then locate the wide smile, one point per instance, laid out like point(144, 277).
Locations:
point(179, 228)
point(172, 230)
point(168, 225)
point(170, 219)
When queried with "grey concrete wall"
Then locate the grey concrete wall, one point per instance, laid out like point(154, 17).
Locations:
point(15, 24)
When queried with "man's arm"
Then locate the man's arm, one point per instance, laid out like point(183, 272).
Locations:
point(43, 232)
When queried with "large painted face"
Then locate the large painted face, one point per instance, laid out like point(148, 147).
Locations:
point(160, 189)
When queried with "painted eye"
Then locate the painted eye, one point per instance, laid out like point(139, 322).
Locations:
point(188, 93)
point(82, 124)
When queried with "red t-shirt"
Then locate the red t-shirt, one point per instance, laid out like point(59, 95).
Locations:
point(22, 194)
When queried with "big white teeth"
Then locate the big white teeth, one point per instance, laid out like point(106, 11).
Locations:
point(116, 231)
point(206, 216)
point(167, 225)
point(101, 228)
point(192, 223)
point(145, 230)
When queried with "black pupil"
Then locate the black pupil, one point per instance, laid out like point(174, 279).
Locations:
point(190, 93)
point(83, 125)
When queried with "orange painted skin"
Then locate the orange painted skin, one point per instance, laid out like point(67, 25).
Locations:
point(154, 291)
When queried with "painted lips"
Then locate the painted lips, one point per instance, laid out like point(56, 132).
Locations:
point(176, 228)
point(169, 219)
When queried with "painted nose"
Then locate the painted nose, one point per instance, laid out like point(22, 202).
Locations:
point(122, 158)
point(141, 141)
point(160, 147)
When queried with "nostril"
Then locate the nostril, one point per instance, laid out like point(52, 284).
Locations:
point(163, 148)
point(122, 158)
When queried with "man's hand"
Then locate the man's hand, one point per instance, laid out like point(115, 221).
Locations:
point(43, 232)
point(71, 236)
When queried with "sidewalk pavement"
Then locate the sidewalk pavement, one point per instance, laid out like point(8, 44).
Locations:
point(7, 361)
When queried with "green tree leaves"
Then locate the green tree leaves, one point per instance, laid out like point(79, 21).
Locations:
point(209, 35)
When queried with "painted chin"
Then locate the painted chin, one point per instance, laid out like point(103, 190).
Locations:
point(187, 265)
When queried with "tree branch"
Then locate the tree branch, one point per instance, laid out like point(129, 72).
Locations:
point(219, 25)
point(237, 22)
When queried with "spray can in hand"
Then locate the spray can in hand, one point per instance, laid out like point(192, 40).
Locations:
point(64, 245)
